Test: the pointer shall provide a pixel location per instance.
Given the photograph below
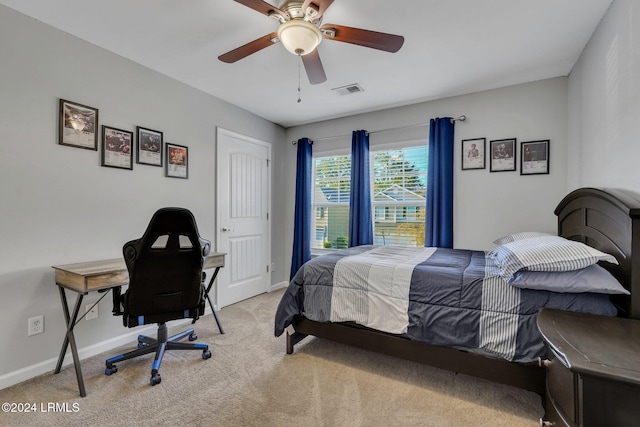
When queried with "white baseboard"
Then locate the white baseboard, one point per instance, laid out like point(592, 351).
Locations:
point(28, 372)
point(278, 286)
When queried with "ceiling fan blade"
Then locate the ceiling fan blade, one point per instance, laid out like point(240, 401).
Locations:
point(314, 68)
point(263, 7)
point(322, 5)
point(366, 38)
point(249, 48)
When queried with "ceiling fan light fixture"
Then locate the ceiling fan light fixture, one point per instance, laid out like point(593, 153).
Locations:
point(299, 36)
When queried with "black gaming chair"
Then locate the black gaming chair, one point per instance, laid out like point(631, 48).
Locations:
point(165, 283)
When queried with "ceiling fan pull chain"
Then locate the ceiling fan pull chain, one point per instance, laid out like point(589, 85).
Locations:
point(299, 62)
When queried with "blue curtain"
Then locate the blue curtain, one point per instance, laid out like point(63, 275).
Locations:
point(302, 216)
point(360, 224)
point(439, 224)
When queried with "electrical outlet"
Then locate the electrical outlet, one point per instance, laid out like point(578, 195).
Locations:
point(36, 325)
point(92, 311)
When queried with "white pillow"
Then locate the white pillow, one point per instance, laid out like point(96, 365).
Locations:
point(593, 279)
point(520, 236)
point(545, 253)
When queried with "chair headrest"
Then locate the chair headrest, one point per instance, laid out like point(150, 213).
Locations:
point(169, 227)
point(172, 220)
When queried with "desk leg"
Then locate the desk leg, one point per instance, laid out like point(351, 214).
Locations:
point(70, 338)
point(67, 319)
point(206, 295)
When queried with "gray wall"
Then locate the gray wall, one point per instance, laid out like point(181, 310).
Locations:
point(58, 205)
point(604, 104)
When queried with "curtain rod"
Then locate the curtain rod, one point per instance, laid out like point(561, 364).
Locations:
point(459, 119)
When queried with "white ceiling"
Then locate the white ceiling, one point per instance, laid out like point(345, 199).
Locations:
point(451, 47)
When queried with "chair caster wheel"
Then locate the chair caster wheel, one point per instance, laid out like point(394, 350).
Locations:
point(206, 354)
point(193, 337)
point(155, 380)
point(111, 370)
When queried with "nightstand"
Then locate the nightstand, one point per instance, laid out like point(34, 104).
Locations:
point(593, 369)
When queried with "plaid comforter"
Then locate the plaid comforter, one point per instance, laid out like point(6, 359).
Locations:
point(446, 297)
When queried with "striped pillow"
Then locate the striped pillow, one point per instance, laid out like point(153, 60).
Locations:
point(545, 253)
point(520, 236)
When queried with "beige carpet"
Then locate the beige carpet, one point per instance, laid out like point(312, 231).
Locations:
point(250, 381)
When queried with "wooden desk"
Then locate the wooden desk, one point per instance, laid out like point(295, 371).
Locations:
point(98, 275)
point(102, 276)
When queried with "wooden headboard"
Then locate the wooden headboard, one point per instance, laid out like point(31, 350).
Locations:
point(609, 221)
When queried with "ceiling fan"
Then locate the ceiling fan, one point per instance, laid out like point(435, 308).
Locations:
point(301, 32)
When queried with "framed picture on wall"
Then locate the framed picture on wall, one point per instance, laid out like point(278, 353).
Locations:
point(148, 147)
point(534, 157)
point(503, 155)
point(177, 161)
point(117, 148)
point(78, 125)
point(473, 153)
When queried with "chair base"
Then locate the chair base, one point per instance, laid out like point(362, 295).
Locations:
point(148, 345)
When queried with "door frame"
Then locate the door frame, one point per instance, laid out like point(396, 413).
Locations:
point(218, 234)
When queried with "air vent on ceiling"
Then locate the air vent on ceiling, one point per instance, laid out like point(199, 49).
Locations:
point(348, 89)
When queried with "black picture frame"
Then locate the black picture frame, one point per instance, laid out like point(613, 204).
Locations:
point(77, 125)
point(474, 153)
point(117, 148)
point(534, 157)
point(503, 155)
point(148, 146)
point(177, 161)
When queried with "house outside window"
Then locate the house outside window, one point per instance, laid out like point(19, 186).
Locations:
point(399, 185)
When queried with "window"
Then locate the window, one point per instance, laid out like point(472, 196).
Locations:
point(399, 188)
point(332, 183)
point(399, 196)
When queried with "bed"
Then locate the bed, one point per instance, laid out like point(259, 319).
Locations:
point(462, 333)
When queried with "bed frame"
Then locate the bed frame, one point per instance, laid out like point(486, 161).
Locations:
point(607, 220)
